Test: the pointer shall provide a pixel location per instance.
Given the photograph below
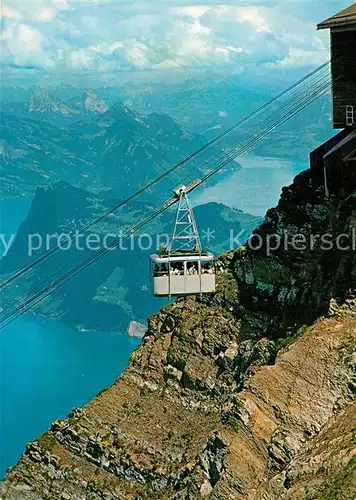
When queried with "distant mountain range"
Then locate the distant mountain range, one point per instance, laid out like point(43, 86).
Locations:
point(92, 146)
point(95, 141)
point(211, 105)
point(203, 106)
point(46, 105)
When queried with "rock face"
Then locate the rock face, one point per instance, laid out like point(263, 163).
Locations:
point(230, 396)
point(43, 102)
point(136, 329)
point(305, 254)
point(176, 425)
point(90, 103)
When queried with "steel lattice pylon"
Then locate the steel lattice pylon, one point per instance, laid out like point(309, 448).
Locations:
point(185, 236)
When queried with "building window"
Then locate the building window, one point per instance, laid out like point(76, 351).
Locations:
point(349, 116)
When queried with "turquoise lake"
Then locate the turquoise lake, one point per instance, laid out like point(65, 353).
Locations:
point(256, 187)
point(46, 367)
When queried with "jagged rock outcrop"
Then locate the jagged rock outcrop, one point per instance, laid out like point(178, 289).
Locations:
point(237, 395)
point(300, 257)
point(175, 425)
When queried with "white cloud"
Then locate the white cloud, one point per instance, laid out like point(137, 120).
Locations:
point(47, 15)
point(106, 48)
point(109, 36)
point(26, 46)
point(6, 12)
point(38, 10)
point(301, 57)
point(253, 16)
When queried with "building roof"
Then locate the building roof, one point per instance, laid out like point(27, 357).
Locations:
point(342, 143)
point(345, 18)
point(351, 156)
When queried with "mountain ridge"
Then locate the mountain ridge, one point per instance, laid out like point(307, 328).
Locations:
point(100, 153)
point(230, 396)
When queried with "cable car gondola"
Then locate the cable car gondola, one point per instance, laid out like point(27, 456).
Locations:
point(183, 267)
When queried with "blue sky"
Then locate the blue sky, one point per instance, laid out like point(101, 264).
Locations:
point(69, 36)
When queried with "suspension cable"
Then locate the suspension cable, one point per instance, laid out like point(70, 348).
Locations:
point(225, 156)
point(154, 181)
point(39, 297)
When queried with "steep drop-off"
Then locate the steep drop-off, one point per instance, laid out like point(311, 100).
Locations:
point(303, 255)
point(246, 394)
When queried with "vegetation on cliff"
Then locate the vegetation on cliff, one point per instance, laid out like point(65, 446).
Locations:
point(245, 394)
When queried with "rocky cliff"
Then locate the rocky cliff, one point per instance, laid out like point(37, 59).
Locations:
point(303, 255)
point(245, 394)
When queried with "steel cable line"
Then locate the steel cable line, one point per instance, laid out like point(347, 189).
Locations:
point(209, 160)
point(40, 297)
point(297, 110)
point(226, 154)
point(157, 179)
point(74, 272)
point(229, 159)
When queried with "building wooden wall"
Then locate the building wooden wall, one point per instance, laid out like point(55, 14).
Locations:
point(340, 179)
point(343, 50)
